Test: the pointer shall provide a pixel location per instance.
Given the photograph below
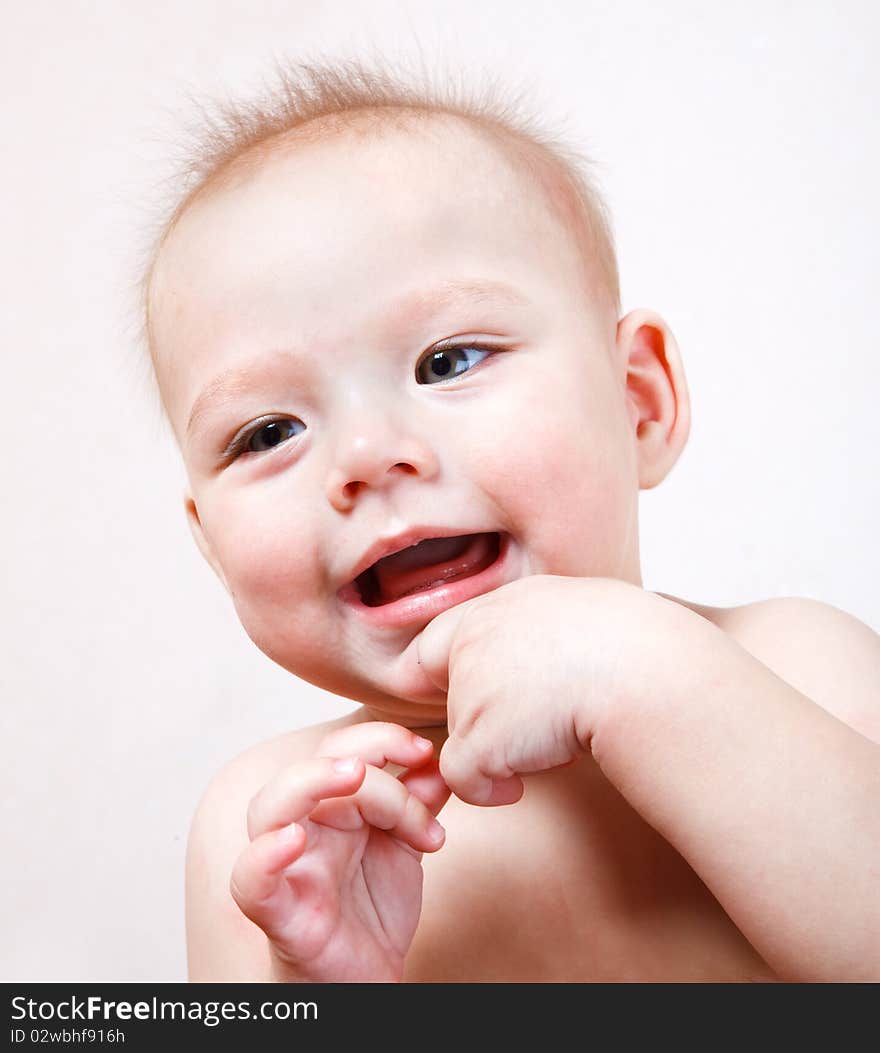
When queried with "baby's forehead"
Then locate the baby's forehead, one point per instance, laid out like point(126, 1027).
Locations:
point(406, 172)
point(342, 197)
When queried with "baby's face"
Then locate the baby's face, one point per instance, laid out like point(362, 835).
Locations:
point(297, 318)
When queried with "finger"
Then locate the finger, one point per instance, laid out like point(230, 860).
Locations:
point(434, 643)
point(504, 791)
point(377, 742)
point(475, 781)
point(256, 876)
point(294, 792)
point(384, 802)
point(428, 785)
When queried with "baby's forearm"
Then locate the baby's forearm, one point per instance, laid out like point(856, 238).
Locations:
point(771, 799)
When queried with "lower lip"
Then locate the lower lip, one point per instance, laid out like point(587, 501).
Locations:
point(421, 607)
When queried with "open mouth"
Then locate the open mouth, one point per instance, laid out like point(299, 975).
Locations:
point(426, 565)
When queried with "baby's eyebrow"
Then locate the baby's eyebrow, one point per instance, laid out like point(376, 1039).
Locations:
point(411, 306)
point(474, 290)
point(223, 388)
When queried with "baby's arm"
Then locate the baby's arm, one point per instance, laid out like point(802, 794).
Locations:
point(772, 798)
point(222, 944)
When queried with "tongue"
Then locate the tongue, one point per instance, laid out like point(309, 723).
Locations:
point(428, 563)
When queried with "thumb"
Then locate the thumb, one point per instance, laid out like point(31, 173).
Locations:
point(434, 644)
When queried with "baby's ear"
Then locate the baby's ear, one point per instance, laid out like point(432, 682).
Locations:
point(657, 399)
point(201, 539)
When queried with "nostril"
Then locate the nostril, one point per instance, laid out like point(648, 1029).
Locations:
point(350, 489)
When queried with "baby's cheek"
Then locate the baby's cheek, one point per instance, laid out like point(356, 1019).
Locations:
point(567, 495)
point(272, 576)
point(262, 554)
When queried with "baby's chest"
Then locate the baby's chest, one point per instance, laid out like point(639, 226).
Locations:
point(568, 884)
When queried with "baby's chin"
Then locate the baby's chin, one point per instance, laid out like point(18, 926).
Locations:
point(393, 687)
point(397, 689)
point(405, 680)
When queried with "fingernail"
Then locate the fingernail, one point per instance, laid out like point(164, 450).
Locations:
point(423, 744)
point(345, 766)
point(286, 833)
point(435, 832)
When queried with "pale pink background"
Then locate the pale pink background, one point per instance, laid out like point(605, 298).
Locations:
point(739, 152)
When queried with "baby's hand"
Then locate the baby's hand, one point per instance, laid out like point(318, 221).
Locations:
point(333, 871)
point(529, 670)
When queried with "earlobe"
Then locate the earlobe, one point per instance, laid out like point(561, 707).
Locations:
point(657, 398)
point(201, 539)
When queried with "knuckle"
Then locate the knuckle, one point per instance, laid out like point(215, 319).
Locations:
point(249, 907)
point(403, 736)
point(254, 812)
point(468, 722)
point(453, 762)
point(330, 744)
point(370, 791)
point(235, 890)
point(463, 759)
point(393, 797)
point(351, 740)
point(413, 811)
point(480, 627)
point(238, 884)
point(474, 624)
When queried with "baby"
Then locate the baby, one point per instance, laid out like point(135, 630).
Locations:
point(387, 336)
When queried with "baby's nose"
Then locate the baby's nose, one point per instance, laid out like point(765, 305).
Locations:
point(374, 453)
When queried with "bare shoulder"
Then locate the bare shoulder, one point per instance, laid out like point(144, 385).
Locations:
point(825, 653)
point(222, 944)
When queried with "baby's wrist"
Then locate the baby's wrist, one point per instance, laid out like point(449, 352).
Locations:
point(643, 661)
point(284, 971)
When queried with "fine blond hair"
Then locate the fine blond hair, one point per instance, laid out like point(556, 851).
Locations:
point(316, 99)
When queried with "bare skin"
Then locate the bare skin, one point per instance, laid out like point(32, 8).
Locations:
point(296, 314)
point(569, 883)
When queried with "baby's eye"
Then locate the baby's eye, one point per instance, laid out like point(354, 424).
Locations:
point(443, 363)
point(268, 435)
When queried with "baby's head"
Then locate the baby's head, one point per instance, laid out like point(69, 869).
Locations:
point(390, 325)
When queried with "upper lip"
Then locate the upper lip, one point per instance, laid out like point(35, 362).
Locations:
point(385, 546)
